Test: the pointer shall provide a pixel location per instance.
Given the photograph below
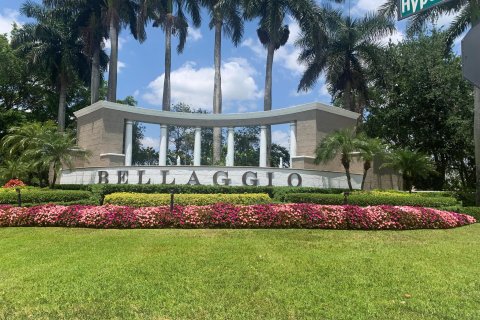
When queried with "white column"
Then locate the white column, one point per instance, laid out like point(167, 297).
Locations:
point(197, 151)
point(128, 142)
point(230, 147)
point(263, 146)
point(293, 142)
point(162, 161)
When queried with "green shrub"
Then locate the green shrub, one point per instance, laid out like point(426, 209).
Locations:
point(152, 200)
point(471, 211)
point(373, 200)
point(39, 196)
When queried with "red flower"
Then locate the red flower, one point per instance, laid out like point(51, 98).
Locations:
point(14, 183)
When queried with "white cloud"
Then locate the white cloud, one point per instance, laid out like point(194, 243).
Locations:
point(286, 56)
point(281, 138)
point(7, 18)
point(364, 6)
point(151, 142)
point(194, 86)
point(121, 65)
point(396, 37)
point(121, 41)
point(194, 34)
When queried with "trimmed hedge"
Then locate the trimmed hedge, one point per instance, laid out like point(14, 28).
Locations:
point(471, 211)
point(373, 200)
point(38, 196)
point(309, 216)
point(277, 193)
point(153, 200)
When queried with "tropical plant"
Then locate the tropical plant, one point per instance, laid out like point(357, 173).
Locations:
point(344, 53)
point(341, 143)
point(170, 16)
point(13, 169)
point(273, 34)
point(52, 46)
point(410, 164)
point(466, 14)
point(369, 148)
point(226, 17)
point(42, 148)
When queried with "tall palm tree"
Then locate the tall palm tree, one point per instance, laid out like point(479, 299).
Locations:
point(341, 143)
point(51, 45)
point(225, 16)
point(369, 148)
point(351, 47)
point(90, 21)
point(170, 16)
point(411, 165)
point(273, 34)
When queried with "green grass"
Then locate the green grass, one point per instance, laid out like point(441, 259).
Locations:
point(55, 273)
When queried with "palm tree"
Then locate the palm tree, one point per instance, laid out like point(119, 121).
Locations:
point(345, 53)
point(273, 34)
point(411, 165)
point(170, 16)
point(41, 147)
point(341, 143)
point(52, 46)
point(369, 148)
point(467, 14)
point(226, 16)
point(13, 169)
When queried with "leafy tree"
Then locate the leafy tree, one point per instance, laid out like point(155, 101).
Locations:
point(345, 54)
point(170, 16)
point(52, 46)
point(466, 14)
point(341, 143)
point(273, 34)
point(411, 164)
point(13, 169)
point(226, 17)
point(423, 103)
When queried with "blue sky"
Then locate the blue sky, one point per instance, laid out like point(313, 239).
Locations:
point(141, 69)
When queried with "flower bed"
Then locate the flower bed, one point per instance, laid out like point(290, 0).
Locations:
point(309, 216)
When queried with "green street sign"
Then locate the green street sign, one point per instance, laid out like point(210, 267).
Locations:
point(407, 8)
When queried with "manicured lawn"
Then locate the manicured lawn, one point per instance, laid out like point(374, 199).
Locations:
point(54, 273)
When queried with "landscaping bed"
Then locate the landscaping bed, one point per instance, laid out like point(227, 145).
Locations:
point(231, 216)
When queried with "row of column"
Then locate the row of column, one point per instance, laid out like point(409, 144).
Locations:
point(197, 151)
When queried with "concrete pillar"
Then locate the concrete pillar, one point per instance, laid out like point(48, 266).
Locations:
point(197, 151)
point(162, 161)
point(230, 147)
point(128, 142)
point(293, 142)
point(263, 146)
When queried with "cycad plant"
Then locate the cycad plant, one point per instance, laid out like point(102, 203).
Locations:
point(170, 15)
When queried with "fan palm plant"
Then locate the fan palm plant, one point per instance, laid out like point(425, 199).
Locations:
point(51, 45)
point(341, 143)
point(273, 33)
point(226, 17)
point(170, 16)
point(410, 164)
point(344, 54)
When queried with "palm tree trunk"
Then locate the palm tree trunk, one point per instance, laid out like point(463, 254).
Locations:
point(346, 165)
point(54, 179)
point(366, 167)
point(112, 67)
point(61, 102)
point(267, 103)
point(95, 77)
point(217, 92)
point(476, 134)
point(348, 97)
point(168, 64)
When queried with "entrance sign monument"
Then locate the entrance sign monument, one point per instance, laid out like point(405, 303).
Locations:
point(105, 129)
